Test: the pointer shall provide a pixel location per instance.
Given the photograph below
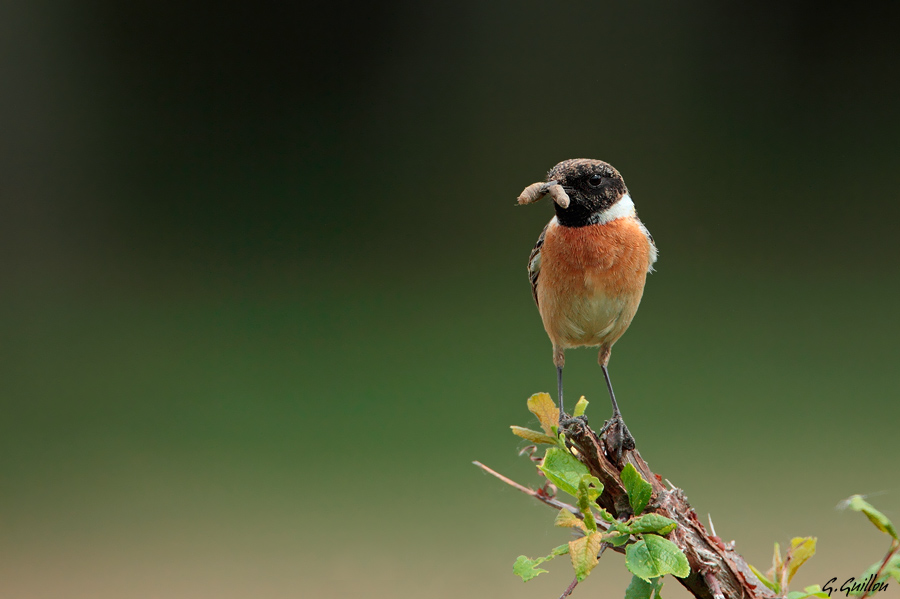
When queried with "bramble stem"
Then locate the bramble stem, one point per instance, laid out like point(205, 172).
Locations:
point(895, 545)
point(569, 589)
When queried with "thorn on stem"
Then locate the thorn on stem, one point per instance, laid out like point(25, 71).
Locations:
point(713, 583)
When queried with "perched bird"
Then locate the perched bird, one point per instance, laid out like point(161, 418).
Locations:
point(589, 266)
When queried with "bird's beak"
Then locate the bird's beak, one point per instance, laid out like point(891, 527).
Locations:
point(536, 191)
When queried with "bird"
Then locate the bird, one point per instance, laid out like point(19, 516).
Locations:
point(589, 266)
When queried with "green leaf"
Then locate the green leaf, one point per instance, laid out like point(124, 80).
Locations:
point(567, 519)
point(671, 559)
point(589, 489)
point(583, 552)
point(652, 523)
point(615, 538)
point(762, 578)
point(543, 407)
point(617, 535)
point(655, 556)
point(802, 548)
point(580, 407)
point(563, 470)
point(892, 568)
point(638, 562)
point(533, 436)
point(527, 568)
point(641, 589)
point(620, 527)
point(593, 488)
point(605, 515)
point(881, 522)
point(638, 489)
point(804, 595)
point(777, 565)
point(813, 588)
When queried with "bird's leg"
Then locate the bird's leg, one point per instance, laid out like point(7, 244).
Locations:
point(559, 390)
point(612, 396)
point(618, 438)
point(559, 359)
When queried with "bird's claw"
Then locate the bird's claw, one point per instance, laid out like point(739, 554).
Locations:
point(616, 438)
point(566, 422)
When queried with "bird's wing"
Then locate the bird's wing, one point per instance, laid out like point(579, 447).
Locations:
point(654, 253)
point(534, 264)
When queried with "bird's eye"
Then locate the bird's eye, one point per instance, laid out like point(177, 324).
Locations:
point(595, 180)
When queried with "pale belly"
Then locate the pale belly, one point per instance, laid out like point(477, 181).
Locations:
point(588, 319)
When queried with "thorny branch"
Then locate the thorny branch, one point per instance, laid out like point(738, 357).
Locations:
point(717, 571)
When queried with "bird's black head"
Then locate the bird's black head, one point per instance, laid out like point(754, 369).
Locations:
point(593, 187)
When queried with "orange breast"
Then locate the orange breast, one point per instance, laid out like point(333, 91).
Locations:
point(591, 280)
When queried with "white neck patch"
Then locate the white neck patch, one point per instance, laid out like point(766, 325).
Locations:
point(621, 209)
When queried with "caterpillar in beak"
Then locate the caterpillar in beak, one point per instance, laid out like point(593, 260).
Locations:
point(536, 191)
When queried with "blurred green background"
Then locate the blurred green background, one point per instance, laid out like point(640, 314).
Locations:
point(264, 293)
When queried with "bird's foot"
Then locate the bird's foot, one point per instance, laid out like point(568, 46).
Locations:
point(616, 438)
point(565, 422)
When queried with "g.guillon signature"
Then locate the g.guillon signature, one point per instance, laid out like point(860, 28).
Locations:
point(857, 587)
